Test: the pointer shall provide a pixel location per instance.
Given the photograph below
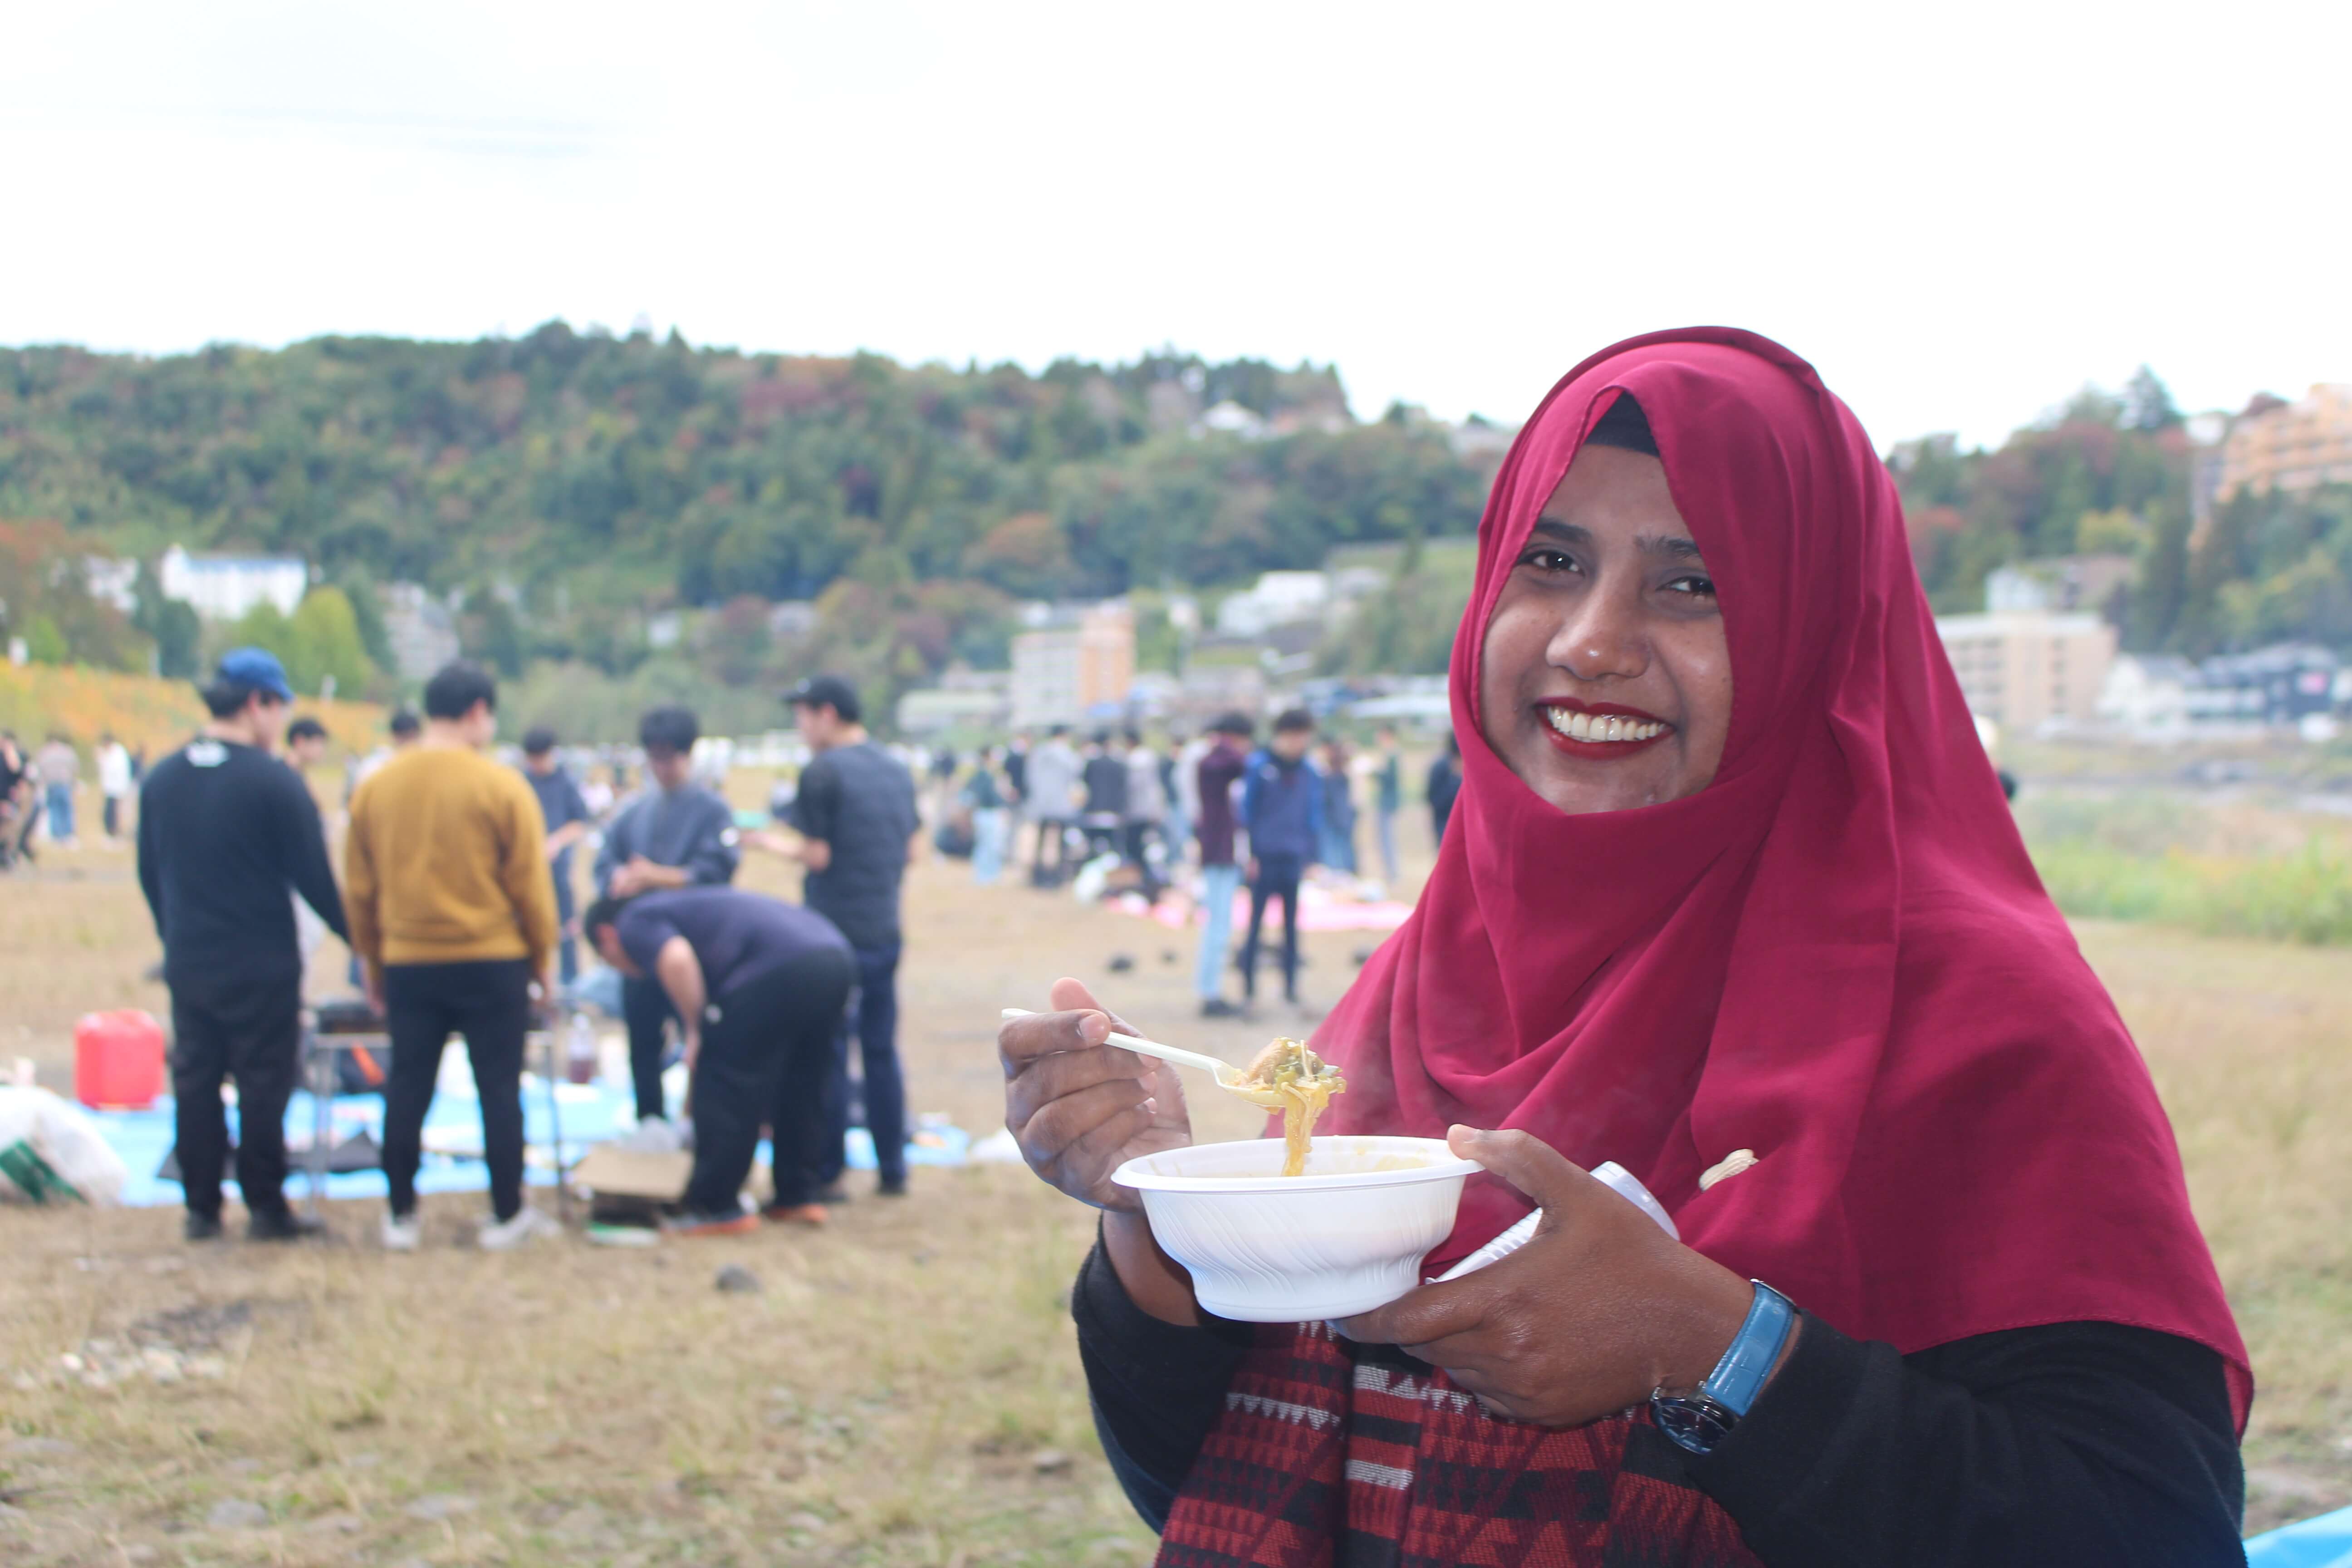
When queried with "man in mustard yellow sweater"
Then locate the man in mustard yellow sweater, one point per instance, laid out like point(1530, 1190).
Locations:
point(452, 914)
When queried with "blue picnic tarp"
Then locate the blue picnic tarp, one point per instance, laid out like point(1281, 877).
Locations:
point(2322, 1542)
point(591, 1113)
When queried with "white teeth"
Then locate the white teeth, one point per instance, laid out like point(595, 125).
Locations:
point(1601, 727)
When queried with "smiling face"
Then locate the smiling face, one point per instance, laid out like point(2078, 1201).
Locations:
point(1605, 682)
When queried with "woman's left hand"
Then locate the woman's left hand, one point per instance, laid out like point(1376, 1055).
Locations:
point(1586, 1320)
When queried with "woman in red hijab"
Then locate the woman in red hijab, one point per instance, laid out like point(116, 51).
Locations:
point(1731, 897)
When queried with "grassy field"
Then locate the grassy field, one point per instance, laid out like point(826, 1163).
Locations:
point(903, 1388)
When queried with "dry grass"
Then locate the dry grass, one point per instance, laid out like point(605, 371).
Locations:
point(888, 1396)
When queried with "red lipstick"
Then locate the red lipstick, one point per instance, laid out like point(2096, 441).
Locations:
point(1635, 730)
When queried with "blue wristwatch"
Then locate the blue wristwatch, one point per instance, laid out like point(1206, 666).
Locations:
point(1697, 1420)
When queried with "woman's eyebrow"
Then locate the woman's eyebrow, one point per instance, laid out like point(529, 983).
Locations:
point(1679, 549)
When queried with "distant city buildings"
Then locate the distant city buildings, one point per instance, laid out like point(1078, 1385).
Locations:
point(226, 587)
point(2030, 670)
point(1073, 664)
point(2289, 446)
point(2161, 697)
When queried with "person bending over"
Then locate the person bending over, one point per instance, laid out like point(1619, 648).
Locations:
point(453, 917)
point(760, 985)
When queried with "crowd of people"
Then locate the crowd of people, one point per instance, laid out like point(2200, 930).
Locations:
point(456, 902)
point(1220, 811)
point(456, 898)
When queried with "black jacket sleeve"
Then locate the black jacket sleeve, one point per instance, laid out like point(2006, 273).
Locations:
point(151, 862)
point(2088, 1444)
point(712, 860)
point(307, 866)
point(1158, 1388)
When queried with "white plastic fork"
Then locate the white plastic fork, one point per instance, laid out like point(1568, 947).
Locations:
point(1231, 1079)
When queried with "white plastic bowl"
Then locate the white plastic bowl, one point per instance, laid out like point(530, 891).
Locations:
point(1263, 1247)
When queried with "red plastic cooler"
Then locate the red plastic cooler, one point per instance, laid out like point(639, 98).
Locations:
point(118, 1059)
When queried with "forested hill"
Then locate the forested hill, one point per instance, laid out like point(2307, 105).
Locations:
point(633, 470)
point(563, 485)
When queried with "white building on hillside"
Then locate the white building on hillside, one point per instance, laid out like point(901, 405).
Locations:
point(224, 587)
point(1071, 663)
point(1279, 598)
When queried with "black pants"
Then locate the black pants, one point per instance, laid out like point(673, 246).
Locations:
point(1277, 878)
point(488, 1002)
point(764, 1058)
point(883, 1087)
point(645, 1007)
point(251, 1031)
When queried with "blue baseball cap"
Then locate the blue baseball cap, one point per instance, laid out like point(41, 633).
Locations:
point(257, 668)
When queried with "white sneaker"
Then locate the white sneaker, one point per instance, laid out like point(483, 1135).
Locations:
point(528, 1226)
point(401, 1234)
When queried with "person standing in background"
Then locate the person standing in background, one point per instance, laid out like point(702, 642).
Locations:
point(224, 834)
point(453, 917)
point(1016, 769)
point(1104, 811)
point(1338, 839)
point(674, 835)
point(984, 798)
point(58, 766)
point(1048, 798)
point(857, 828)
point(1444, 784)
point(114, 783)
point(1147, 810)
point(1282, 811)
point(306, 748)
point(1215, 776)
point(1387, 799)
point(568, 819)
point(16, 813)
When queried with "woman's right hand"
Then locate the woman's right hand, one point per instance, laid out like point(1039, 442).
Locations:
point(1080, 1107)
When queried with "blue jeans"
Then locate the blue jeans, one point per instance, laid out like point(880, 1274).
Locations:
point(990, 829)
point(60, 806)
point(1219, 884)
point(875, 1016)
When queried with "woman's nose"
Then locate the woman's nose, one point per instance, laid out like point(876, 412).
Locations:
point(1600, 636)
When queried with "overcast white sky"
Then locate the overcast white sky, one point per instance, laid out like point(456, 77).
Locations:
point(1961, 213)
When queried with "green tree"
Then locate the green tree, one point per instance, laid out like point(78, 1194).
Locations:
point(325, 635)
point(174, 626)
point(44, 643)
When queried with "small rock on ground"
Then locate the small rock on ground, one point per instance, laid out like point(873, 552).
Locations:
point(1050, 1461)
point(39, 1448)
point(440, 1505)
point(237, 1514)
point(736, 1280)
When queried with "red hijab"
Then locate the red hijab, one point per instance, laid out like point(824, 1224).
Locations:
point(1837, 954)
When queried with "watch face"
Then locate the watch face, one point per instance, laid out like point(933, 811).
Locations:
point(1692, 1422)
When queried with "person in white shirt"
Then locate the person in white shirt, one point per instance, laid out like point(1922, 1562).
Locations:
point(113, 782)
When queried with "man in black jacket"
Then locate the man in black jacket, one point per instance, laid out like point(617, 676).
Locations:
point(223, 831)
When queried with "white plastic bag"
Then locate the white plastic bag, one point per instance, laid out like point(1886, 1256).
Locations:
point(51, 1153)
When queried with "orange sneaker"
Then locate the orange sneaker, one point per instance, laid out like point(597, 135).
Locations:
point(810, 1214)
point(693, 1224)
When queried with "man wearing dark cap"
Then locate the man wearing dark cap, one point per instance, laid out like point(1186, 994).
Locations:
point(225, 830)
point(673, 834)
point(568, 821)
point(858, 823)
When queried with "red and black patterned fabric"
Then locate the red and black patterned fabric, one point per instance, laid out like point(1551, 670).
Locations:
point(1334, 1455)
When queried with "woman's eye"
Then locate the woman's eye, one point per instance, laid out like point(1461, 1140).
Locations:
point(1696, 587)
point(1550, 561)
